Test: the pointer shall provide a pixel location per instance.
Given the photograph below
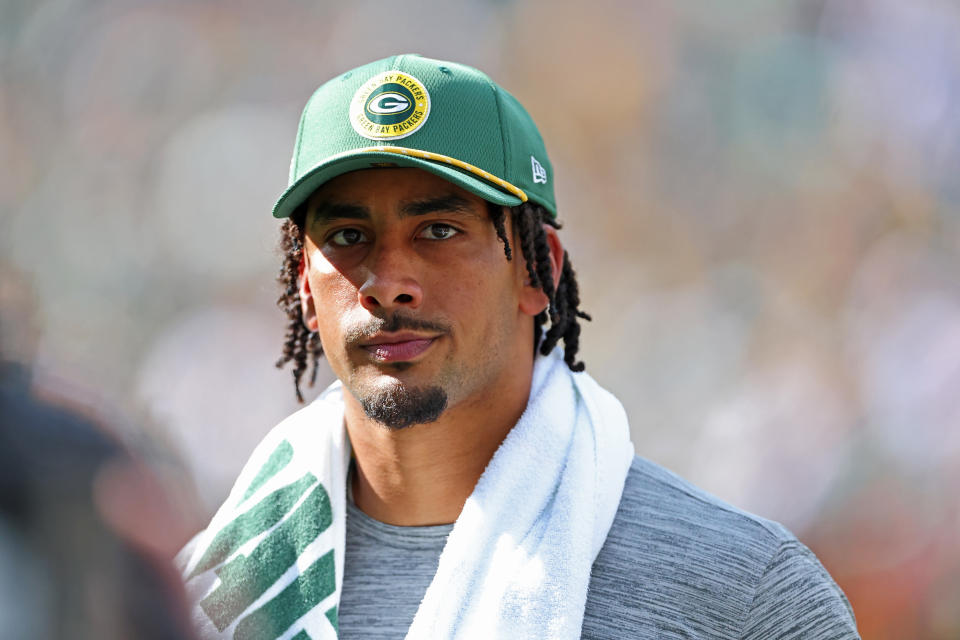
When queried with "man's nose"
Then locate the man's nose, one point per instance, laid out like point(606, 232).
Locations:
point(391, 281)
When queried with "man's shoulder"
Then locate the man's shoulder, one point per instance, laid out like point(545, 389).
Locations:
point(678, 560)
point(664, 518)
point(658, 500)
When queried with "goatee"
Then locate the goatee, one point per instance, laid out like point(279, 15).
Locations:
point(399, 407)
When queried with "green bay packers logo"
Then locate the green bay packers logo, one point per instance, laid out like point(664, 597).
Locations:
point(389, 105)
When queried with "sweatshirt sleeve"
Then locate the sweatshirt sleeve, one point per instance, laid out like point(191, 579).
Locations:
point(797, 598)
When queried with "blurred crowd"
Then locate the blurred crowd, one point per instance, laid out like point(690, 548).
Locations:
point(761, 200)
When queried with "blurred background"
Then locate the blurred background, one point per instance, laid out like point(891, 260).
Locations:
point(761, 200)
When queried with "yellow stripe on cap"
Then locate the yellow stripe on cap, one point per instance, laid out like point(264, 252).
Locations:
point(460, 164)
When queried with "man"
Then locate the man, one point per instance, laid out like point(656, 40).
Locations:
point(463, 478)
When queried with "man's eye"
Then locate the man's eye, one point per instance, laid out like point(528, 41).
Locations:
point(438, 231)
point(347, 237)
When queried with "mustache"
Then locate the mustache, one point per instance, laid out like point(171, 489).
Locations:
point(391, 324)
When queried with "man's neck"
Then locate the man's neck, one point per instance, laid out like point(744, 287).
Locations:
point(422, 475)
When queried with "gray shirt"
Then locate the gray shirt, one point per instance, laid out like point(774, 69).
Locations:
point(677, 563)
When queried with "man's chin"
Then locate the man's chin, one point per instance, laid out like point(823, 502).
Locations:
point(398, 406)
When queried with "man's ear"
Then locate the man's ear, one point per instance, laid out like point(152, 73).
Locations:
point(532, 299)
point(556, 254)
point(307, 307)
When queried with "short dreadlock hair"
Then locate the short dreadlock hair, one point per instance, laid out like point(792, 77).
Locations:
point(302, 347)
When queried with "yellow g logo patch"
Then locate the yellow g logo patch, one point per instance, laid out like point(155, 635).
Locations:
point(389, 105)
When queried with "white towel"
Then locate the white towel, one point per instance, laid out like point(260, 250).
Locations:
point(516, 564)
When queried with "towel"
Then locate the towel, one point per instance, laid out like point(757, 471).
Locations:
point(516, 564)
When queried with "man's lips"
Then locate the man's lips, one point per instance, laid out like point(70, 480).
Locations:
point(398, 347)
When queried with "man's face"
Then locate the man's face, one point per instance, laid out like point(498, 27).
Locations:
point(407, 284)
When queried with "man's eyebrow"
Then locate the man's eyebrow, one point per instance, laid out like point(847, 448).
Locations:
point(327, 211)
point(450, 203)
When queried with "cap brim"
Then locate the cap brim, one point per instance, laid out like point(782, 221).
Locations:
point(297, 193)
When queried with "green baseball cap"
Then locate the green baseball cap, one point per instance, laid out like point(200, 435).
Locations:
point(410, 111)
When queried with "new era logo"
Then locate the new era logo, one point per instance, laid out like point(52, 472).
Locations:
point(539, 173)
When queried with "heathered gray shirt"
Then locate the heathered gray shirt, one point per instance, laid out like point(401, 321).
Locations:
point(677, 563)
